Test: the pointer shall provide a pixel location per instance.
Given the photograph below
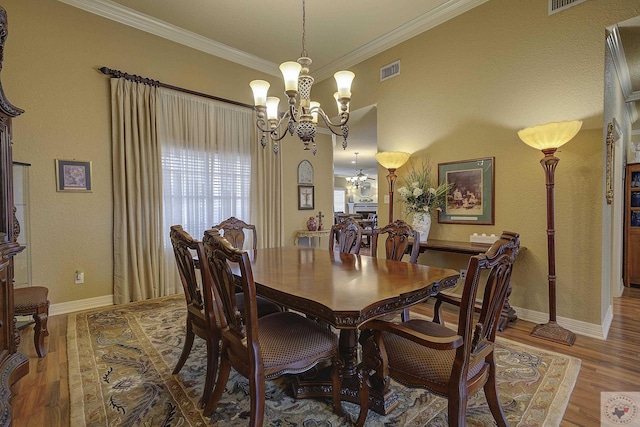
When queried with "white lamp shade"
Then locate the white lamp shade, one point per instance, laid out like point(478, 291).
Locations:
point(290, 72)
point(260, 89)
point(392, 159)
point(314, 107)
point(343, 80)
point(550, 135)
point(272, 107)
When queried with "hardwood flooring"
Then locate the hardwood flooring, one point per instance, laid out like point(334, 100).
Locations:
point(42, 397)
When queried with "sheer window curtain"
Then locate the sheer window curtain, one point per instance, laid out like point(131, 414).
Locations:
point(206, 165)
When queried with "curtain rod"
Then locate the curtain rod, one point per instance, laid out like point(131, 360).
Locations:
point(151, 82)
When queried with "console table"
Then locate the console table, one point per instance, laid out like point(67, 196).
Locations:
point(468, 248)
point(310, 235)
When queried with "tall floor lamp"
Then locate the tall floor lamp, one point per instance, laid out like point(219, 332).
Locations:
point(549, 138)
point(392, 160)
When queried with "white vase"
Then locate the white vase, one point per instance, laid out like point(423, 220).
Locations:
point(422, 223)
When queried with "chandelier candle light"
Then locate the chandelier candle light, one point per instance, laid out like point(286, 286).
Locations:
point(301, 118)
point(549, 138)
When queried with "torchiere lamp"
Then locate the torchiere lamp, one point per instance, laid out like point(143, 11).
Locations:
point(392, 160)
point(549, 138)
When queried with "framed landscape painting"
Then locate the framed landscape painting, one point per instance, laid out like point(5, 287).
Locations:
point(471, 199)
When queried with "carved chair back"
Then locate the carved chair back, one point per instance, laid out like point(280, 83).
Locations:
point(348, 236)
point(397, 242)
point(233, 229)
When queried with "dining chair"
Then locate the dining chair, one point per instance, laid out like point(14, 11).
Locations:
point(201, 317)
point(348, 236)
point(260, 348)
point(396, 245)
point(450, 363)
point(233, 229)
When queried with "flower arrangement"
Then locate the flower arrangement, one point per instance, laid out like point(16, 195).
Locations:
point(420, 194)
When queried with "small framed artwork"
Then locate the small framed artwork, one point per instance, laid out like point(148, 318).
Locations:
point(305, 197)
point(73, 175)
point(305, 172)
point(471, 198)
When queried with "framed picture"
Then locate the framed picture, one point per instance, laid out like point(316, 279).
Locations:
point(305, 172)
point(73, 175)
point(305, 197)
point(471, 199)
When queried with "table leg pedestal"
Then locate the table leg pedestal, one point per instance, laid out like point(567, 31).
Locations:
point(317, 382)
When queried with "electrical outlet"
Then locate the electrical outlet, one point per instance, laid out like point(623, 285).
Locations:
point(463, 274)
point(79, 277)
point(386, 199)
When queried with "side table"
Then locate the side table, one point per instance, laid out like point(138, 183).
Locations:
point(310, 235)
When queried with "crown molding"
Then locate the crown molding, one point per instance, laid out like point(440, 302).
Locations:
point(124, 15)
point(614, 43)
point(427, 21)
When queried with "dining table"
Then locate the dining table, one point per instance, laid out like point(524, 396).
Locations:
point(343, 291)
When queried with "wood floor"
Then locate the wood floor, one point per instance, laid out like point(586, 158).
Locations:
point(42, 397)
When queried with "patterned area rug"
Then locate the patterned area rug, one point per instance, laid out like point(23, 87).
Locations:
point(121, 359)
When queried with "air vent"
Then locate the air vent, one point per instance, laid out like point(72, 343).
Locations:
point(560, 5)
point(389, 71)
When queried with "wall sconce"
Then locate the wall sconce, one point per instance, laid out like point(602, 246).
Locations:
point(549, 138)
point(392, 160)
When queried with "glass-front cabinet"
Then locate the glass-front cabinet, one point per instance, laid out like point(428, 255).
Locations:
point(22, 261)
point(632, 226)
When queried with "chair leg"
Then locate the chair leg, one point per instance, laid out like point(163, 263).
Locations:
point(213, 347)
point(220, 384)
point(363, 377)
point(258, 386)
point(186, 349)
point(336, 385)
point(458, 409)
point(40, 331)
point(491, 393)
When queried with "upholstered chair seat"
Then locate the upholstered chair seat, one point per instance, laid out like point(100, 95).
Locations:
point(33, 301)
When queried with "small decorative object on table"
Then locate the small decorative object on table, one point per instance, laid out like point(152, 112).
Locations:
point(320, 216)
point(422, 197)
point(311, 224)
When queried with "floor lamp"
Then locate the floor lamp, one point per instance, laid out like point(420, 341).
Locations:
point(392, 160)
point(549, 138)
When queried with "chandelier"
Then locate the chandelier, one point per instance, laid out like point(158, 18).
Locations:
point(300, 118)
point(358, 177)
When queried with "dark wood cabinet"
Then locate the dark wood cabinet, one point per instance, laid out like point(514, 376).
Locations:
point(632, 226)
point(13, 365)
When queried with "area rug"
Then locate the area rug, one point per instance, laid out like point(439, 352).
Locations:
point(121, 359)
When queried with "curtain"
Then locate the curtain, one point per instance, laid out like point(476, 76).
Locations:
point(137, 233)
point(268, 216)
point(206, 165)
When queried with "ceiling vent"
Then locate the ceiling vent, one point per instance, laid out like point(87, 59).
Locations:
point(389, 71)
point(560, 5)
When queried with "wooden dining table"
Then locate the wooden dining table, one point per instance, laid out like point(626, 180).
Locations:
point(345, 291)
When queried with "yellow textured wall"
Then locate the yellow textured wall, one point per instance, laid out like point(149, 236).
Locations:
point(467, 86)
point(50, 70)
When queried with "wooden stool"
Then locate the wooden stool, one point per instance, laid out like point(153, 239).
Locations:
point(33, 300)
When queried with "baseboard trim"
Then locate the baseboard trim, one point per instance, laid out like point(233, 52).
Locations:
point(576, 326)
point(79, 305)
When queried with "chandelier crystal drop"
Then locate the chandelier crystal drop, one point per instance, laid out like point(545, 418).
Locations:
point(302, 114)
